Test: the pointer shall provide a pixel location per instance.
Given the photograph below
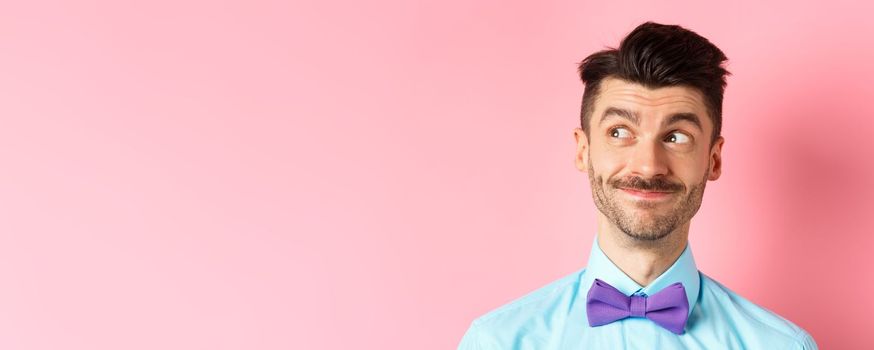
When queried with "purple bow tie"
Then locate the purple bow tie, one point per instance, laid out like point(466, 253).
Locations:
point(668, 308)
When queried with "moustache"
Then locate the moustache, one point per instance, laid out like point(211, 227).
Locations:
point(657, 184)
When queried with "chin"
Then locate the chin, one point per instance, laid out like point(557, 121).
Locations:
point(648, 237)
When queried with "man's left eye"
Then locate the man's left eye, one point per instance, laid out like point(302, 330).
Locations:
point(678, 137)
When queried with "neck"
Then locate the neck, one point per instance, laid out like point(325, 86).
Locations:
point(641, 260)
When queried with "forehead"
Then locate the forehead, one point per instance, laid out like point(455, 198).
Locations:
point(650, 103)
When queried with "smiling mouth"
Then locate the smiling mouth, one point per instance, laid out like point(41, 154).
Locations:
point(647, 195)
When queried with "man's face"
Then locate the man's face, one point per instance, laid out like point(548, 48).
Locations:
point(647, 158)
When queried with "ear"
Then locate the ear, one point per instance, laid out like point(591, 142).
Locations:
point(716, 159)
point(582, 156)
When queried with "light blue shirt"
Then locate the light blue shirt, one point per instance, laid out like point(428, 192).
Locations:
point(553, 317)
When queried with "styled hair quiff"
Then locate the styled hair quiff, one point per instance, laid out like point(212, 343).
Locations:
point(658, 55)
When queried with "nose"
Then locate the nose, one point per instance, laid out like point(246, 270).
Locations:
point(648, 160)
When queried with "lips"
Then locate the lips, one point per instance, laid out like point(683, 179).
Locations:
point(649, 195)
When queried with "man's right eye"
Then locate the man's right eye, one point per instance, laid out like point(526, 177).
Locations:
point(620, 132)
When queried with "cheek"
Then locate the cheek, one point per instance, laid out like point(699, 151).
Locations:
point(702, 166)
point(606, 167)
point(692, 173)
point(606, 161)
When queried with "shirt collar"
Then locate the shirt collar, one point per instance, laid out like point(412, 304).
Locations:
point(683, 270)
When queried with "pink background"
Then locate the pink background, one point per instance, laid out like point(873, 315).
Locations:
point(318, 175)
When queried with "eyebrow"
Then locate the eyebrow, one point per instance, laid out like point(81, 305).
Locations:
point(635, 118)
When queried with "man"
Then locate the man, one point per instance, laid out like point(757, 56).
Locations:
point(649, 141)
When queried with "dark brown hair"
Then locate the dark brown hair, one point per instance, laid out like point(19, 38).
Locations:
point(658, 55)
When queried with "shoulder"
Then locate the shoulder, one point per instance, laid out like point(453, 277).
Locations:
point(525, 318)
point(751, 320)
point(533, 302)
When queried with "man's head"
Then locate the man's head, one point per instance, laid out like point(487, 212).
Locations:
point(650, 127)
